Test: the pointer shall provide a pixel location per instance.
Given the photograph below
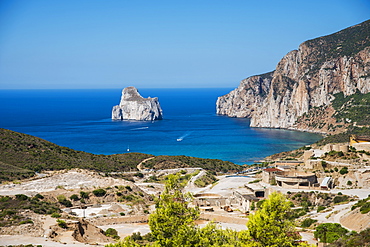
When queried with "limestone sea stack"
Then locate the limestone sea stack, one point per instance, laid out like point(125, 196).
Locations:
point(134, 107)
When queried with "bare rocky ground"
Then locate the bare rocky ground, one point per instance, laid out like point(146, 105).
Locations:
point(109, 217)
point(72, 179)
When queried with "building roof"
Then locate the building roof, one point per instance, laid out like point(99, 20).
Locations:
point(325, 182)
point(250, 197)
point(289, 161)
point(271, 170)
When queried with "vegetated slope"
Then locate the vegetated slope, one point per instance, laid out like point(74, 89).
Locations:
point(344, 136)
point(306, 80)
point(340, 116)
point(182, 161)
point(22, 155)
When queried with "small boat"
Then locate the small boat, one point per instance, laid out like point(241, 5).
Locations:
point(128, 149)
point(179, 139)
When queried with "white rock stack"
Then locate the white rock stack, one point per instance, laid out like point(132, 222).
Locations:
point(134, 107)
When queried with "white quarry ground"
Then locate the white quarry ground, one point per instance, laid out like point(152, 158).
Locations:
point(72, 179)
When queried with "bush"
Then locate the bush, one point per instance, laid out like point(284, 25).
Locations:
point(63, 200)
point(308, 222)
point(21, 197)
point(110, 232)
point(139, 175)
point(365, 208)
point(329, 232)
point(74, 197)
point(99, 192)
point(28, 221)
point(38, 196)
point(56, 215)
point(339, 199)
point(320, 208)
point(343, 171)
point(62, 224)
point(84, 194)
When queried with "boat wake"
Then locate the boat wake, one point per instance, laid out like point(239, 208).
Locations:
point(140, 128)
point(183, 136)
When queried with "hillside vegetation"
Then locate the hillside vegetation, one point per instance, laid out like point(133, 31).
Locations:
point(182, 161)
point(346, 42)
point(22, 155)
point(344, 137)
point(353, 109)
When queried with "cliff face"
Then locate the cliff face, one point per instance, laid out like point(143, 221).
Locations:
point(304, 79)
point(134, 107)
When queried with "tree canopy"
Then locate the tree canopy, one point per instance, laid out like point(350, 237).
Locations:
point(270, 225)
point(173, 224)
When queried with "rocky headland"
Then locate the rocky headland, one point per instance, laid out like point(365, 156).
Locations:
point(305, 80)
point(134, 107)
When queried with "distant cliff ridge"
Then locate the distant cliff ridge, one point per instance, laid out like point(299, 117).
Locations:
point(134, 107)
point(304, 79)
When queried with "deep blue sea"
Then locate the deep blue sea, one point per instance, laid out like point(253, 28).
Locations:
point(81, 119)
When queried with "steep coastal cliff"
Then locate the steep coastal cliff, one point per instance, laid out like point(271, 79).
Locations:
point(303, 80)
point(134, 107)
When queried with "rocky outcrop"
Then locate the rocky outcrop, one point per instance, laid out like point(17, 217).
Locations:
point(304, 79)
point(134, 107)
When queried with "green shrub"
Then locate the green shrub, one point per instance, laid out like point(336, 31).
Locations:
point(343, 171)
point(56, 215)
point(84, 194)
point(139, 175)
point(63, 200)
point(329, 232)
point(110, 232)
point(74, 197)
point(28, 221)
point(99, 192)
point(5, 198)
point(308, 222)
point(38, 196)
point(62, 224)
point(365, 208)
point(339, 199)
point(21, 197)
point(320, 208)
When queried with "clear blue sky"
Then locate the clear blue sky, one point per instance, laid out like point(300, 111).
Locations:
point(157, 44)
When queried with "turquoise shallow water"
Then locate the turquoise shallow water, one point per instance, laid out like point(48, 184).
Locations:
point(80, 119)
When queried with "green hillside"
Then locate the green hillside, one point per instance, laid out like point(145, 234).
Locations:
point(22, 155)
point(346, 42)
point(354, 108)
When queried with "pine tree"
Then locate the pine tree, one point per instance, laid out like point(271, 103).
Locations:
point(270, 225)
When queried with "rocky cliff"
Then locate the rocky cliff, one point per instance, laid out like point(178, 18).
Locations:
point(304, 79)
point(134, 107)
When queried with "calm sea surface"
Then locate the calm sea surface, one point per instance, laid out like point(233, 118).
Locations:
point(81, 119)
